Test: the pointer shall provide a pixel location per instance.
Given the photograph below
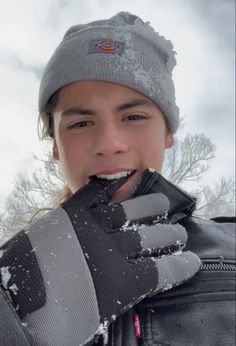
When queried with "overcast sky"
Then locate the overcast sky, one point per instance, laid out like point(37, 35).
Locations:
point(202, 32)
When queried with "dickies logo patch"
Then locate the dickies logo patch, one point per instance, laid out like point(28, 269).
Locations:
point(106, 47)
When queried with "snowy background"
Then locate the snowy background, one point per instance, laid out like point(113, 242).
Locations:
point(202, 32)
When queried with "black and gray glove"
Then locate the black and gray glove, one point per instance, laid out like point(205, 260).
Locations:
point(96, 261)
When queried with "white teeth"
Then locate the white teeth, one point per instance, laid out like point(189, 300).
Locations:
point(114, 176)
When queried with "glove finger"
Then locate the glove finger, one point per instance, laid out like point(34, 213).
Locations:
point(97, 191)
point(145, 206)
point(152, 275)
point(147, 181)
point(140, 209)
point(161, 236)
point(151, 241)
point(176, 269)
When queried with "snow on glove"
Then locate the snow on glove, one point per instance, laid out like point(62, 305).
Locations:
point(91, 261)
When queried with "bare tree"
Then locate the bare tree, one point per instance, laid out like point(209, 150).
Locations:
point(186, 162)
point(31, 194)
point(216, 201)
point(189, 159)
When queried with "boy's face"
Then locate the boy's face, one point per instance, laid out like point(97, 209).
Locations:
point(105, 128)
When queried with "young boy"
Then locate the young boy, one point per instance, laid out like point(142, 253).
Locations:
point(96, 268)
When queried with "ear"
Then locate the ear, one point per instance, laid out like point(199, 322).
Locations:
point(55, 153)
point(169, 141)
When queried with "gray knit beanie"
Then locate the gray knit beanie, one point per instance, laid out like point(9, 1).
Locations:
point(122, 50)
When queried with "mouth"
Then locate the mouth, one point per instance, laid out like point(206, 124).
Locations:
point(128, 180)
point(116, 176)
point(112, 174)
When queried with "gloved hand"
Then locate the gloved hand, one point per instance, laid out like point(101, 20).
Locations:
point(97, 260)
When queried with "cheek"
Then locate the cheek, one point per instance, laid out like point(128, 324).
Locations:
point(71, 153)
point(73, 161)
point(151, 147)
point(153, 137)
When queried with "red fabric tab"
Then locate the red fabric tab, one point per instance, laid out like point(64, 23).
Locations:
point(137, 326)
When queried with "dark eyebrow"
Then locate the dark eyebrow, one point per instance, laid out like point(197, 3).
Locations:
point(134, 103)
point(79, 110)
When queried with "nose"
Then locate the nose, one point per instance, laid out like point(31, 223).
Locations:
point(110, 140)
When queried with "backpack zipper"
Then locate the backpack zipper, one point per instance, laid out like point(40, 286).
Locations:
point(218, 266)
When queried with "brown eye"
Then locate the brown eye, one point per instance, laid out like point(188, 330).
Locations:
point(80, 124)
point(136, 117)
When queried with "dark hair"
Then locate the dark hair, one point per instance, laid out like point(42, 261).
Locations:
point(45, 121)
point(46, 131)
